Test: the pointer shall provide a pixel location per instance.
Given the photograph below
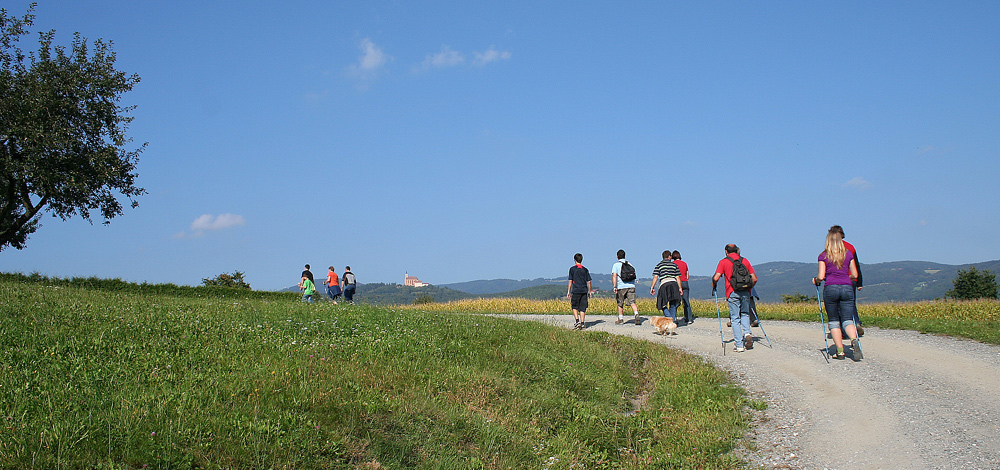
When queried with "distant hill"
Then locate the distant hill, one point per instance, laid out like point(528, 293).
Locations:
point(601, 282)
point(496, 286)
point(900, 281)
point(396, 294)
point(543, 292)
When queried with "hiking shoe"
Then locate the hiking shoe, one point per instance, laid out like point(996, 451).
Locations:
point(740, 349)
point(856, 347)
point(637, 320)
point(748, 342)
point(576, 326)
point(839, 355)
point(754, 324)
point(619, 321)
point(729, 323)
point(861, 331)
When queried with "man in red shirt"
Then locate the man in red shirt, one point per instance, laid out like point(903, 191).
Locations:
point(686, 301)
point(738, 297)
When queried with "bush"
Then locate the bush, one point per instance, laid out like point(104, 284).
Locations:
point(423, 299)
point(974, 284)
point(118, 285)
point(227, 280)
point(797, 298)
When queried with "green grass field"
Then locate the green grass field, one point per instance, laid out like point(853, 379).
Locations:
point(105, 375)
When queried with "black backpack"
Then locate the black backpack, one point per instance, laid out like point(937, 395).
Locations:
point(628, 272)
point(741, 279)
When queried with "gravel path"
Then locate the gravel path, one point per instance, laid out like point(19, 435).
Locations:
point(915, 401)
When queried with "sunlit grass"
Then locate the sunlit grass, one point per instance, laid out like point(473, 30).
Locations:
point(112, 379)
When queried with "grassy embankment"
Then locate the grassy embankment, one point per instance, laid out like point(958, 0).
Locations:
point(978, 320)
point(111, 376)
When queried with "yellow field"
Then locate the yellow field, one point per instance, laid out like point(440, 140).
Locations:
point(972, 310)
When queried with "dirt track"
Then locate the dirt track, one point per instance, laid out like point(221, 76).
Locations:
point(915, 401)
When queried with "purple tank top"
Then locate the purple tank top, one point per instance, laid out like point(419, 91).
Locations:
point(841, 276)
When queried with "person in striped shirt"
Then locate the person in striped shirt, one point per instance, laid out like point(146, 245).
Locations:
point(667, 286)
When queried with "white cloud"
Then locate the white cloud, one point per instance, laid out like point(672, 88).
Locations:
point(371, 62)
point(858, 183)
point(446, 58)
point(209, 222)
point(222, 221)
point(491, 55)
point(372, 57)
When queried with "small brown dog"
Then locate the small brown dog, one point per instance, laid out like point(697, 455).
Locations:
point(664, 325)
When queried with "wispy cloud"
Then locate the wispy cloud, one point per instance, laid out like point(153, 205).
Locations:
point(371, 62)
point(316, 96)
point(447, 57)
point(489, 56)
point(209, 222)
point(858, 183)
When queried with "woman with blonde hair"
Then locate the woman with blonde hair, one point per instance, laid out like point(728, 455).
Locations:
point(839, 269)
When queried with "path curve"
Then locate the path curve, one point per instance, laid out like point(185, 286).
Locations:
point(915, 402)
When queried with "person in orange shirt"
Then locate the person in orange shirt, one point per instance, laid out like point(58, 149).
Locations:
point(332, 285)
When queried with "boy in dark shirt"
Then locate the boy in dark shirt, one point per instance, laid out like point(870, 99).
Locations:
point(579, 290)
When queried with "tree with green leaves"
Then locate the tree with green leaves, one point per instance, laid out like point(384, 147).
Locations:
point(227, 280)
point(62, 133)
point(974, 284)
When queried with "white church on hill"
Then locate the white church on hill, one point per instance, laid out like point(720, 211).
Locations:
point(412, 281)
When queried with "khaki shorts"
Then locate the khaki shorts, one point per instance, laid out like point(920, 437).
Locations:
point(625, 296)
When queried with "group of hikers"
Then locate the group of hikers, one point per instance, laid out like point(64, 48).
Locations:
point(335, 286)
point(838, 270)
point(672, 274)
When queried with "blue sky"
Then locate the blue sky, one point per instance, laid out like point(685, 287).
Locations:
point(479, 140)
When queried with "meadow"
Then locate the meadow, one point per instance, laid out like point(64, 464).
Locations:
point(107, 375)
point(972, 319)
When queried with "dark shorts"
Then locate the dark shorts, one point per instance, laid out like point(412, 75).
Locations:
point(579, 301)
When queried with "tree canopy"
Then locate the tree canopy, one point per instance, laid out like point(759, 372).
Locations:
point(974, 284)
point(227, 280)
point(62, 133)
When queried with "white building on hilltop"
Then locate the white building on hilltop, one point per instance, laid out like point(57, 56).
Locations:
point(412, 281)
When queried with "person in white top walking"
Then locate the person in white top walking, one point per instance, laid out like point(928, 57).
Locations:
point(623, 278)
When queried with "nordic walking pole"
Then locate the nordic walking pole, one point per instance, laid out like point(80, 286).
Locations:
point(826, 350)
point(718, 313)
point(760, 324)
